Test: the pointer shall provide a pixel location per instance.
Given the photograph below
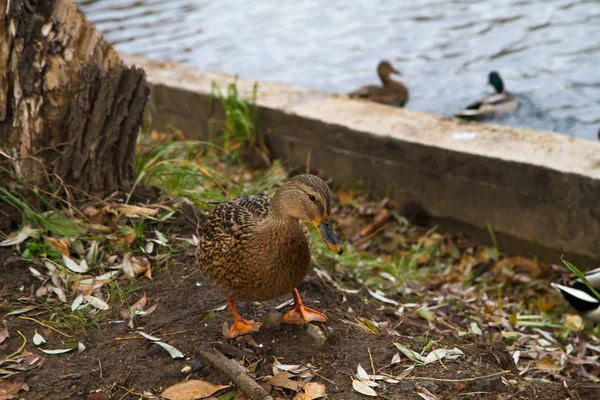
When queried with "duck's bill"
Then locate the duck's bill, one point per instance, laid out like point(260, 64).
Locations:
point(328, 235)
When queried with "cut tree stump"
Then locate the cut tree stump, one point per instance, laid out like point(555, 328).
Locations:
point(69, 107)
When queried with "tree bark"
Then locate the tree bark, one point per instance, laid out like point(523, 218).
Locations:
point(69, 108)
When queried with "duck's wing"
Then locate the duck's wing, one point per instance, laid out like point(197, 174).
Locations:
point(258, 206)
point(489, 105)
point(232, 221)
point(365, 91)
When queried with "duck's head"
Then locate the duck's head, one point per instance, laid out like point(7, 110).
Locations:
point(495, 80)
point(385, 69)
point(308, 198)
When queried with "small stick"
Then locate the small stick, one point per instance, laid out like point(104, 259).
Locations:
point(571, 395)
point(100, 364)
point(130, 370)
point(239, 378)
point(424, 378)
point(371, 359)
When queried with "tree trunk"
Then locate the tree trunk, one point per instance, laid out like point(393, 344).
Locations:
point(69, 108)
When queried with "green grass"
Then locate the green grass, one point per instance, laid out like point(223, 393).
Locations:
point(239, 129)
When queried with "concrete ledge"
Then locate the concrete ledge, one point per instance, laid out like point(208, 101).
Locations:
point(531, 185)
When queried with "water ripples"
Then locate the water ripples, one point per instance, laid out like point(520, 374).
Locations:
point(546, 50)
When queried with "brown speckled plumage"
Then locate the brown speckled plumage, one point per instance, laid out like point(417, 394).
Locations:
point(254, 248)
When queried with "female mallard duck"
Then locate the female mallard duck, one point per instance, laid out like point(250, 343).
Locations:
point(499, 102)
point(392, 92)
point(254, 248)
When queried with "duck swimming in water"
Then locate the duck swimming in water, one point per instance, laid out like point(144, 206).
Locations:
point(499, 102)
point(391, 92)
point(255, 248)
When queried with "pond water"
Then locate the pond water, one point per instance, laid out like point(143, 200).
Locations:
point(547, 51)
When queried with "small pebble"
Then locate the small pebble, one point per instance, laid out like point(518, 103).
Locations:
point(272, 320)
point(196, 365)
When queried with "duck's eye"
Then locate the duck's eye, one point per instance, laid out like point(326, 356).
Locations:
point(312, 197)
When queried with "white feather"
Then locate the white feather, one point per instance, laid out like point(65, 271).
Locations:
point(581, 295)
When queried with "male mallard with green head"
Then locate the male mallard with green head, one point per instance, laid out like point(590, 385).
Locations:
point(392, 92)
point(499, 102)
point(254, 248)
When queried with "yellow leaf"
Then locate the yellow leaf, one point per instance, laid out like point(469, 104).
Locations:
point(345, 196)
point(61, 245)
point(148, 273)
point(127, 239)
point(547, 362)
point(312, 390)
point(191, 390)
point(574, 322)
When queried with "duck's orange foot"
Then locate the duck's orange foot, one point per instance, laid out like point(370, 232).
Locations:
point(300, 315)
point(243, 327)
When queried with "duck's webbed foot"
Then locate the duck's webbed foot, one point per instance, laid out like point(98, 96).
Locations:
point(240, 325)
point(300, 314)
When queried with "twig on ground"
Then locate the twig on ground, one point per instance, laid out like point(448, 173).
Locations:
point(424, 378)
point(371, 359)
point(571, 395)
point(130, 371)
point(100, 365)
point(239, 378)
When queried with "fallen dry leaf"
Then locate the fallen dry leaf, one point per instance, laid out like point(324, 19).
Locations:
point(282, 380)
point(61, 245)
point(313, 390)
point(191, 390)
point(363, 388)
point(10, 388)
point(127, 239)
point(137, 211)
point(345, 196)
point(547, 362)
point(571, 321)
point(140, 304)
point(426, 394)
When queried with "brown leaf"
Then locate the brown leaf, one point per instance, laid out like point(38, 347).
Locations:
point(10, 388)
point(61, 245)
point(140, 304)
point(345, 196)
point(312, 390)
point(281, 380)
point(148, 273)
point(425, 394)
point(547, 362)
point(382, 217)
point(140, 265)
point(127, 239)
point(191, 390)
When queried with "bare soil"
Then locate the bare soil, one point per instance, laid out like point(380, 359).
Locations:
point(121, 364)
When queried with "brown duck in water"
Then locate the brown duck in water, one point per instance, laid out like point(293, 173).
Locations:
point(392, 92)
point(255, 248)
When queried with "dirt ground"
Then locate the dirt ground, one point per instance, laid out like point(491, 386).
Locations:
point(122, 365)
